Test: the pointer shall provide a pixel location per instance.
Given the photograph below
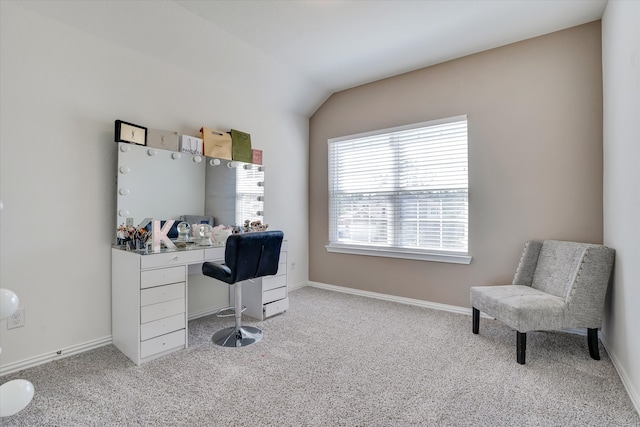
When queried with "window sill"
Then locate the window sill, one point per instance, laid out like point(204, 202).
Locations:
point(449, 257)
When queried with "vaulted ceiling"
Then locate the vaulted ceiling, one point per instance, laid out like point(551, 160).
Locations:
point(304, 51)
point(342, 44)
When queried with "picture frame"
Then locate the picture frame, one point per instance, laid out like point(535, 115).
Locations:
point(129, 132)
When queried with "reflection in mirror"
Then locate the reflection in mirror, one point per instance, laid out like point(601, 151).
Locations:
point(220, 193)
point(163, 184)
point(249, 193)
point(235, 193)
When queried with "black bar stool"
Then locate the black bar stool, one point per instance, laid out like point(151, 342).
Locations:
point(247, 256)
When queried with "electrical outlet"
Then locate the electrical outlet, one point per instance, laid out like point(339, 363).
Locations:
point(16, 320)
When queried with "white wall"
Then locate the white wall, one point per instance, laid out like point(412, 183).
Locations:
point(621, 126)
point(61, 90)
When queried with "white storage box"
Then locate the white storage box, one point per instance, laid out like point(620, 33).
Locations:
point(165, 139)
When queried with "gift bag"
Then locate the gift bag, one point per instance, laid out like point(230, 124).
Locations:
point(241, 146)
point(190, 144)
point(217, 143)
point(256, 157)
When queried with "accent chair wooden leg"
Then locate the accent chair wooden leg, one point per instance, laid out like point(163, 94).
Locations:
point(521, 346)
point(476, 320)
point(592, 338)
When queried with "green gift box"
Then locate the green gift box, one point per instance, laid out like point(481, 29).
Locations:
point(241, 146)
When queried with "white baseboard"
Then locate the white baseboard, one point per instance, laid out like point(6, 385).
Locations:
point(296, 286)
point(634, 395)
point(203, 313)
point(60, 354)
point(386, 297)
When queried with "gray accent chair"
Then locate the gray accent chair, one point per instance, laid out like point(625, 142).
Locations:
point(558, 285)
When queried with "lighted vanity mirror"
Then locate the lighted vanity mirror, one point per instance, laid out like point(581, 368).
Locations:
point(163, 184)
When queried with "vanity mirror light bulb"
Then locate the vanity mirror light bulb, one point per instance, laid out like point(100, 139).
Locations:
point(125, 169)
point(176, 156)
point(214, 162)
point(232, 164)
point(124, 191)
point(152, 152)
point(260, 184)
point(247, 166)
point(123, 212)
point(125, 148)
point(197, 159)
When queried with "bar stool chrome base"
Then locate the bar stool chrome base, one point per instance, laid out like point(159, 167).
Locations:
point(237, 337)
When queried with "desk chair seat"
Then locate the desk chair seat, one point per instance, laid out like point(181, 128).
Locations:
point(247, 256)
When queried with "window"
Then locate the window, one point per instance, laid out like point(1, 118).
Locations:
point(249, 193)
point(401, 192)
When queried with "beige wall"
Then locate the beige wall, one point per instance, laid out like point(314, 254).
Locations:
point(535, 159)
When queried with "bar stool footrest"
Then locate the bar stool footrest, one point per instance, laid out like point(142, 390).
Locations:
point(231, 308)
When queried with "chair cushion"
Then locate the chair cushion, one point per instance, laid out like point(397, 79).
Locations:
point(557, 267)
point(521, 307)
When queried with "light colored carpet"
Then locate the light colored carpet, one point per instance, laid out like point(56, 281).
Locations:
point(339, 360)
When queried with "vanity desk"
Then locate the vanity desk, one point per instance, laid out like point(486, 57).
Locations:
point(150, 298)
point(150, 290)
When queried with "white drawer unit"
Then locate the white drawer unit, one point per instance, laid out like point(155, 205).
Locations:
point(162, 344)
point(162, 276)
point(162, 293)
point(152, 312)
point(273, 282)
point(161, 327)
point(214, 254)
point(276, 307)
point(149, 295)
point(168, 259)
point(267, 296)
point(149, 302)
point(274, 295)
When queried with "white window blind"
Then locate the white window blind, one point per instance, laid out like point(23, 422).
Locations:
point(249, 193)
point(401, 190)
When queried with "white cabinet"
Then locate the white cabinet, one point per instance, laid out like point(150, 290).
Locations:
point(149, 298)
point(149, 302)
point(267, 296)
